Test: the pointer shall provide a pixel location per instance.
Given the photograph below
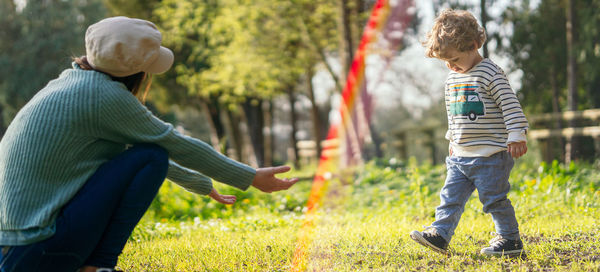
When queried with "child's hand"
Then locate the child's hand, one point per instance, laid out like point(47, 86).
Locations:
point(225, 199)
point(517, 149)
point(266, 181)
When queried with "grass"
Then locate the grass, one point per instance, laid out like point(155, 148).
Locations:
point(363, 225)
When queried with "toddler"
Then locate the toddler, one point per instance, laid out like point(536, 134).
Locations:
point(486, 130)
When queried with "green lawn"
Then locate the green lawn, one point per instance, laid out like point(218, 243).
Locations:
point(363, 225)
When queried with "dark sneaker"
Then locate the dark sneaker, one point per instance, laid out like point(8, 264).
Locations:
point(500, 246)
point(431, 239)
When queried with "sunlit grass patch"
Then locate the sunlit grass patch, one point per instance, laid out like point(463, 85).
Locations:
point(363, 225)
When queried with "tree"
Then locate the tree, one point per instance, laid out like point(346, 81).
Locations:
point(233, 57)
point(186, 27)
point(8, 32)
point(589, 48)
point(142, 9)
point(37, 44)
point(538, 47)
point(571, 37)
point(241, 54)
point(316, 25)
point(347, 39)
point(484, 19)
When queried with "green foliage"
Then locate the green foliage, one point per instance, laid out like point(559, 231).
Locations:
point(245, 67)
point(37, 44)
point(538, 48)
point(576, 186)
point(174, 203)
point(543, 63)
point(392, 184)
point(187, 26)
point(589, 46)
point(233, 49)
point(132, 8)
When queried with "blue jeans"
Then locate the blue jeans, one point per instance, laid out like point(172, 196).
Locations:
point(489, 175)
point(94, 226)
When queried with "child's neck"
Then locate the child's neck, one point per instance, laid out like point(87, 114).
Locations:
point(476, 60)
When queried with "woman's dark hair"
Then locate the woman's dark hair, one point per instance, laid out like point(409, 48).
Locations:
point(132, 82)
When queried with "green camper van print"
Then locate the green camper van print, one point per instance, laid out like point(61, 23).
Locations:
point(465, 101)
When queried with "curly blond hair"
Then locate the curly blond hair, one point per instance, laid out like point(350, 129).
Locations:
point(456, 29)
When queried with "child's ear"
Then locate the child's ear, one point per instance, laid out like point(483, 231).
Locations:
point(476, 45)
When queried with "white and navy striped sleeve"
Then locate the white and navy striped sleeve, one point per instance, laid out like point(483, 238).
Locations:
point(514, 118)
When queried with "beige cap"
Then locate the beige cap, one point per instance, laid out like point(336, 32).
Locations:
point(122, 46)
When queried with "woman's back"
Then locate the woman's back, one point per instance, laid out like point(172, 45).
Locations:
point(51, 148)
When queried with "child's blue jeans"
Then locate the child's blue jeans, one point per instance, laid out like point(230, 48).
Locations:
point(94, 226)
point(489, 175)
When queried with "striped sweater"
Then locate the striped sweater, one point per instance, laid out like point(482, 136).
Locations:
point(484, 114)
point(67, 130)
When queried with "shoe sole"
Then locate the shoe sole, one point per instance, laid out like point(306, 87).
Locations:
point(415, 235)
point(510, 253)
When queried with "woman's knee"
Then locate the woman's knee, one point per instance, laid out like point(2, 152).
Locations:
point(155, 155)
point(153, 151)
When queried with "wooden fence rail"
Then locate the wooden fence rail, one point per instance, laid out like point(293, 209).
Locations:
point(592, 131)
point(565, 132)
point(587, 125)
point(593, 114)
point(307, 149)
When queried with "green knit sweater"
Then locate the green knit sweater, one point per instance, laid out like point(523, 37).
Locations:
point(67, 130)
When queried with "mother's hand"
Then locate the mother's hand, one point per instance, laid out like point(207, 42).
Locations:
point(225, 199)
point(266, 181)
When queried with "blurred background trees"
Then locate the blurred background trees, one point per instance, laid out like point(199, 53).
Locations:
point(255, 77)
point(37, 42)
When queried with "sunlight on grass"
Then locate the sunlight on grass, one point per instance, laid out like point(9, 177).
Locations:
point(363, 226)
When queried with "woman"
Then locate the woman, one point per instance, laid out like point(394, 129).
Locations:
point(71, 192)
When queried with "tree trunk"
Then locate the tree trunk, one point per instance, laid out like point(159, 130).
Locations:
point(555, 109)
point(237, 139)
point(358, 25)
point(255, 120)
point(377, 141)
point(268, 132)
point(319, 51)
point(345, 38)
point(316, 118)
point(366, 106)
point(571, 147)
point(248, 148)
point(360, 8)
point(293, 121)
point(211, 111)
point(2, 126)
point(484, 20)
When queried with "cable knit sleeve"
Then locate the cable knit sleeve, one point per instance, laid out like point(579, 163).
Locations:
point(189, 179)
point(123, 119)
